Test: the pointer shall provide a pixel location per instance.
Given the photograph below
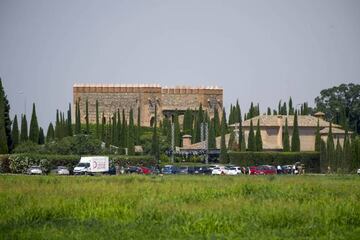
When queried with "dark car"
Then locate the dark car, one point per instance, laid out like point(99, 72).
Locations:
point(184, 170)
point(132, 169)
point(169, 169)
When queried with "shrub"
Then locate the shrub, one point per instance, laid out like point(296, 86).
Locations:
point(133, 160)
point(4, 163)
point(311, 160)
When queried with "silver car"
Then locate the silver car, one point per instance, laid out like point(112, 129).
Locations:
point(35, 170)
point(61, 170)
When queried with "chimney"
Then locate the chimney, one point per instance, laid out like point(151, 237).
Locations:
point(320, 115)
point(186, 141)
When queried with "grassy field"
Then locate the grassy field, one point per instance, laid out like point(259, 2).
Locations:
point(180, 207)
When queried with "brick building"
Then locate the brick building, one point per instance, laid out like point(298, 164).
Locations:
point(112, 97)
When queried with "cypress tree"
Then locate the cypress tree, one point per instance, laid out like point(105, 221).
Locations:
point(124, 130)
point(346, 152)
point(295, 139)
point(155, 151)
point(3, 140)
point(108, 133)
point(291, 108)
point(177, 135)
point(118, 128)
point(217, 122)
point(138, 127)
point(77, 118)
point(286, 140)
point(69, 122)
point(197, 128)
point(34, 127)
point(233, 146)
point(251, 139)
point(97, 133)
point(317, 137)
point(330, 148)
point(24, 129)
point(279, 108)
point(131, 141)
point(41, 139)
point(211, 137)
point(268, 111)
point(188, 124)
point(114, 138)
point(258, 139)
point(323, 159)
point(87, 116)
point(223, 150)
point(50, 135)
point(103, 128)
point(241, 135)
point(15, 132)
point(243, 143)
point(338, 155)
point(57, 126)
point(7, 119)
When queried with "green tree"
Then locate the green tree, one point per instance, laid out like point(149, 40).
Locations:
point(77, 118)
point(103, 128)
point(295, 138)
point(97, 132)
point(323, 158)
point(243, 143)
point(69, 122)
point(317, 138)
point(188, 122)
point(347, 157)
point(330, 149)
point(3, 140)
point(7, 119)
point(24, 129)
point(224, 158)
point(177, 134)
point(124, 130)
point(341, 103)
point(50, 134)
point(286, 140)
point(138, 127)
point(268, 111)
point(41, 139)
point(217, 123)
point(118, 129)
point(291, 108)
point(338, 155)
point(155, 149)
point(87, 116)
point(258, 139)
point(114, 137)
point(131, 141)
point(211, 137)
point(251, 138)
point(15, 132)
point(57, 125)
point(34, 126)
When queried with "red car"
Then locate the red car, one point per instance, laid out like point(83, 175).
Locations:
point(262, 170)
point(144, 170)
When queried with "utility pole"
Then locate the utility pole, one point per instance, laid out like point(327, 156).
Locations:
point(172, 141)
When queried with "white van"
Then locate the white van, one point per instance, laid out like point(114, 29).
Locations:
point(92, 164)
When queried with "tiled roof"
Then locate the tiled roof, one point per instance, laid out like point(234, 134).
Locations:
point(277, 120)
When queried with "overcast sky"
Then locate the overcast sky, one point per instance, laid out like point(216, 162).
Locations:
point(257, 50)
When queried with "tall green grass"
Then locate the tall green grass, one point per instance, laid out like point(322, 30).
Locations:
point(180, 207)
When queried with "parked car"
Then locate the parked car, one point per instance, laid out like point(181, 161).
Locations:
point(132, 169)
point(233, 171)
point(358, 171)
point(35, 170)
point(286, 169)
point(61, 170)
point(169, 169)
point(184, 170)
point(144, 170)
point(262, 170)
point(219, 171)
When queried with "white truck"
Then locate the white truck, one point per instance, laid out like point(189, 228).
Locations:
point(92, 165)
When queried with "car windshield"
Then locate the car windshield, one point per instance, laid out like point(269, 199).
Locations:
point(184, 168)
point(83, 165)
point(62, 167)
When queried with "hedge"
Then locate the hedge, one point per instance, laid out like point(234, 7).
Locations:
point(19, 163)
point(311, 160)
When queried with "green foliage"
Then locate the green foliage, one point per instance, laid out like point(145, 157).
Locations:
point(330, 149)
point(69, 122)
point(323, 159)
point(97, 132)
point(41, 136)
point(338, 156)
point(251, 138)
point(138, 127)
point(87, 116)
point(15, 132)
point(29, 147)
point(286, 140)
point(310, 159)
point(177, 134)
point(50, 135)
point(295, 138)
point(3, 139)
point(24, 129)
point(217, 124)
point(341, 104)
point(188, 122)
point(268, 111)
point(258, 139)
point(131, 141)
point(34, 126)
point(211, 136)
point(224, 158)
point(155, 148)
point(77, 118)
point(7, 120)
point(317, 138)
point(291, 108)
